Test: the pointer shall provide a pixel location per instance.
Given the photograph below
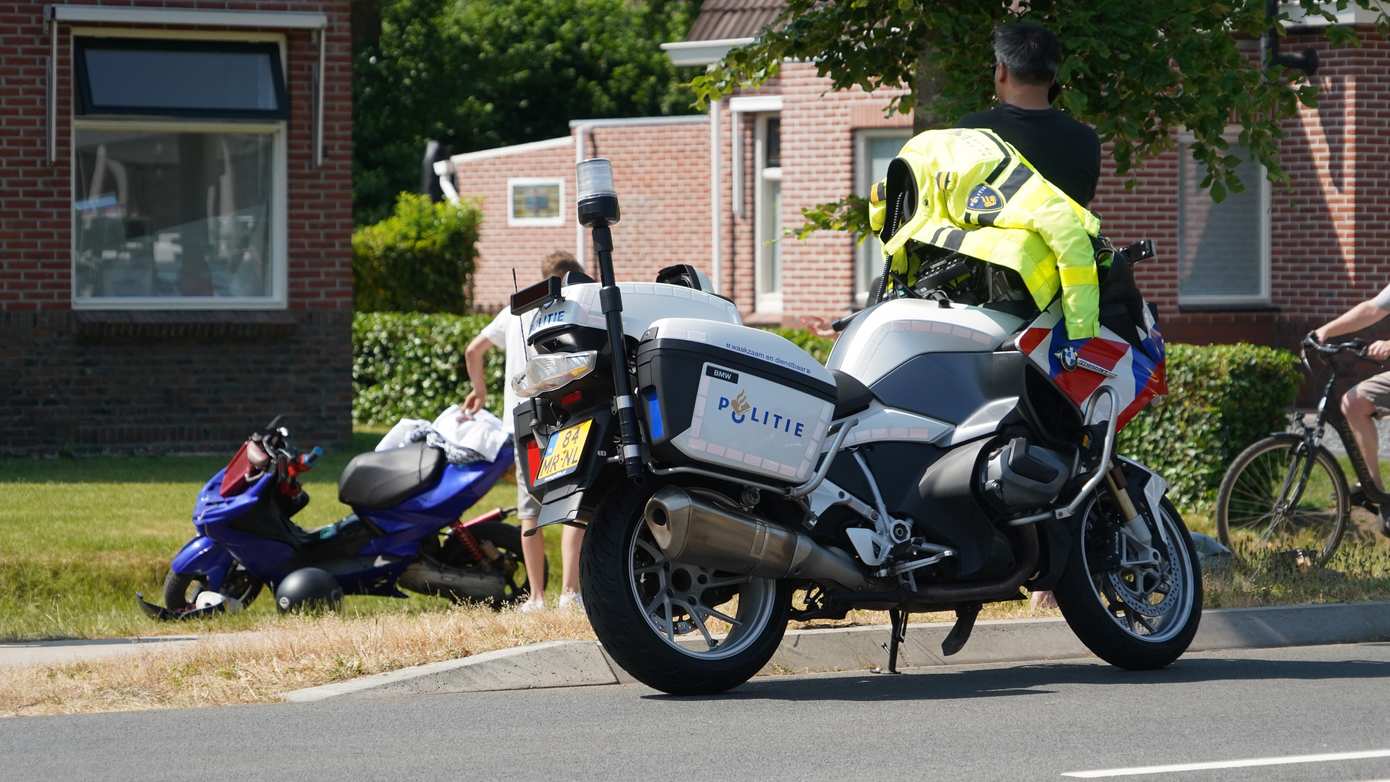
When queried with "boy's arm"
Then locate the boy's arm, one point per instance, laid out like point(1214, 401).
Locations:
point(1359, 317)
point(473, 361)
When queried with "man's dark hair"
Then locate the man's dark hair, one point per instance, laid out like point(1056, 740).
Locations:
point(1029, 50)
point(558, 263)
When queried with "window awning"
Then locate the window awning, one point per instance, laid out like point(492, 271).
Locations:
point(315, 23)
point(184, 17)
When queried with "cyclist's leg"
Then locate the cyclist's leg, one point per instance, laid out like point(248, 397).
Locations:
point(1360, 405)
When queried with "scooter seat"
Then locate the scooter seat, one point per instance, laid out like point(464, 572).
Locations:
point(384, 479)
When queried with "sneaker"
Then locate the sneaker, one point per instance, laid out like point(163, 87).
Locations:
point(571, 600)
point(532, 606)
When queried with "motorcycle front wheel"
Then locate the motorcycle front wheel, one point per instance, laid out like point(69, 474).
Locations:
point(676, 627)
point(1134, 614)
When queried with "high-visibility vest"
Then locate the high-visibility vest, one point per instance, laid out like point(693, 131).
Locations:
point(977, 195)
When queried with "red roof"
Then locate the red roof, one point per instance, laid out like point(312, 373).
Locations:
point(721, 19)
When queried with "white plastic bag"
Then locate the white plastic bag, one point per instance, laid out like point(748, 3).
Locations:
point(400, 433)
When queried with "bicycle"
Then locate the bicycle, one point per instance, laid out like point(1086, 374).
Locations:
point(1287, 492)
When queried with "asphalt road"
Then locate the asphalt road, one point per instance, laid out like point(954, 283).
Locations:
point(1030, 722)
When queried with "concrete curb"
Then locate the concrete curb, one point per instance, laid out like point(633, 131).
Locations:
point(583, 663)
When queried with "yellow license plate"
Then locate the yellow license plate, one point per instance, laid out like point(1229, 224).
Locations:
point(564, 451)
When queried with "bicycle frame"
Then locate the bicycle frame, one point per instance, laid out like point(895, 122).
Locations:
point(1312, 440)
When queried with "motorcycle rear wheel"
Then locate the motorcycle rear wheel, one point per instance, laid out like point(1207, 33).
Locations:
point(1124, 624)
point(668, 623)
point(506, 538)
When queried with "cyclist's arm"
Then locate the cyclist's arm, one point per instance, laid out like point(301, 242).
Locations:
point(1366, 313)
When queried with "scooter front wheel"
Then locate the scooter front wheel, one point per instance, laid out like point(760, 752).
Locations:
point(180, 590)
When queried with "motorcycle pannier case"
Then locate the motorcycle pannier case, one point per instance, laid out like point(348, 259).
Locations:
point(729, 397)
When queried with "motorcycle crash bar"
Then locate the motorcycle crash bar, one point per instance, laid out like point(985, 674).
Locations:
point(1102, 468)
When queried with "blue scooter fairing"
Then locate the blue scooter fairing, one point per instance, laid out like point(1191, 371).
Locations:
point(204, 557)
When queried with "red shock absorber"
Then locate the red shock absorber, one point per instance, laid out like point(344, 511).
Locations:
point(469, 542)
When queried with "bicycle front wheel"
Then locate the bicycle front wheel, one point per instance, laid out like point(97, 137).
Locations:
point(1278, 497)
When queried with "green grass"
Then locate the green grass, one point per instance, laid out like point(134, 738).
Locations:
point(78, 538)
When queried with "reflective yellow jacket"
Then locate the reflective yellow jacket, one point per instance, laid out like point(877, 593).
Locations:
point(977, 195)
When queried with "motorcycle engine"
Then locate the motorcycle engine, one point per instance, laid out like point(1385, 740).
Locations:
point(1021, 476)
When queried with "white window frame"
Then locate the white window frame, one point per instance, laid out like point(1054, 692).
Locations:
point(863, 182)
point(515, 182)
point(1264, 297)
point(279, 218)
point(771, 301)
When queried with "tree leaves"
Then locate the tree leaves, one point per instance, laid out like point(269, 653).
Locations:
point(476, 74)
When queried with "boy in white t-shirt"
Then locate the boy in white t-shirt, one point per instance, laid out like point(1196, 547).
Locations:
point(506, 331)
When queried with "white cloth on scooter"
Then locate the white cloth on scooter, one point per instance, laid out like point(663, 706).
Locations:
point(463, 438)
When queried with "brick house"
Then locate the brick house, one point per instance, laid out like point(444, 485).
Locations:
point(1265, 265)
point(175, 223)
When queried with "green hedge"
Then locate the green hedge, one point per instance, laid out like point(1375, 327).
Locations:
point(1221, 398)
point(419, 259)
point(410, 365)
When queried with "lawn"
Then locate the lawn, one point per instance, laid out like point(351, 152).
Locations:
point(79, 537)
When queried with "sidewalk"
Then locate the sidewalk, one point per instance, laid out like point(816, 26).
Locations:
point(19, 653)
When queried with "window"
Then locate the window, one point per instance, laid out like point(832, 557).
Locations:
point(1223, 249)
point(535, 201)
point(180, 77)
point(874, 150)
point(767, 210)
point(179, 199)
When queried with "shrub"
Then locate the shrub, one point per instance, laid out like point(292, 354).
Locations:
point(808, 341)
point(410, 365)
point(1221, 398)
point(418, 259)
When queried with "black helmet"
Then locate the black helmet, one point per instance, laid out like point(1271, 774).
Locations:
point(308, 589)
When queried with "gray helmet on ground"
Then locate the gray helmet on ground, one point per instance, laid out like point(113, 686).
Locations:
point(308, 589)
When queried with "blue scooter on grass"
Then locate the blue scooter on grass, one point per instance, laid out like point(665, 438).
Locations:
point(404, 531)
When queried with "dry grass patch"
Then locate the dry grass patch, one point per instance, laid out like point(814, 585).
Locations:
point(289, 654)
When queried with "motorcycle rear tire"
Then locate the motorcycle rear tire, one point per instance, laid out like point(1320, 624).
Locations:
point(507, 539)
point(613, 611)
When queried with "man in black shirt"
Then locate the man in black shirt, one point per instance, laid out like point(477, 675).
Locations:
point(1064, 151)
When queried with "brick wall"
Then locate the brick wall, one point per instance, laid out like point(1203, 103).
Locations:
point(1327, 247)
point(818, 166)
point(662, 175)
point(185, 380)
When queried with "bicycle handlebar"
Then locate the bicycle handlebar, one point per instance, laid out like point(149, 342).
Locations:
point(1357, 346)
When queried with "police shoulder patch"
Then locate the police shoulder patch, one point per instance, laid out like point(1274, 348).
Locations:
point(984, 199)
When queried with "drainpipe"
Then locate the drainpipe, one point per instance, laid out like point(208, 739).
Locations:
point(715, 205)
point(579, 147)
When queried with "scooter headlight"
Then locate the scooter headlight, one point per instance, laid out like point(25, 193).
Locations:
point(553, 370)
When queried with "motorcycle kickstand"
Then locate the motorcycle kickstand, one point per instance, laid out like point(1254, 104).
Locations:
point(899, 634)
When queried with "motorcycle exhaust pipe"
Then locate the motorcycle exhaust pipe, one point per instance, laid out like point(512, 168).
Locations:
point(428, 578)
point(692, 530)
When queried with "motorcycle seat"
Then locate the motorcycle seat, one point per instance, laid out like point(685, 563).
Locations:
point(384, 479)
point(851, 396)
